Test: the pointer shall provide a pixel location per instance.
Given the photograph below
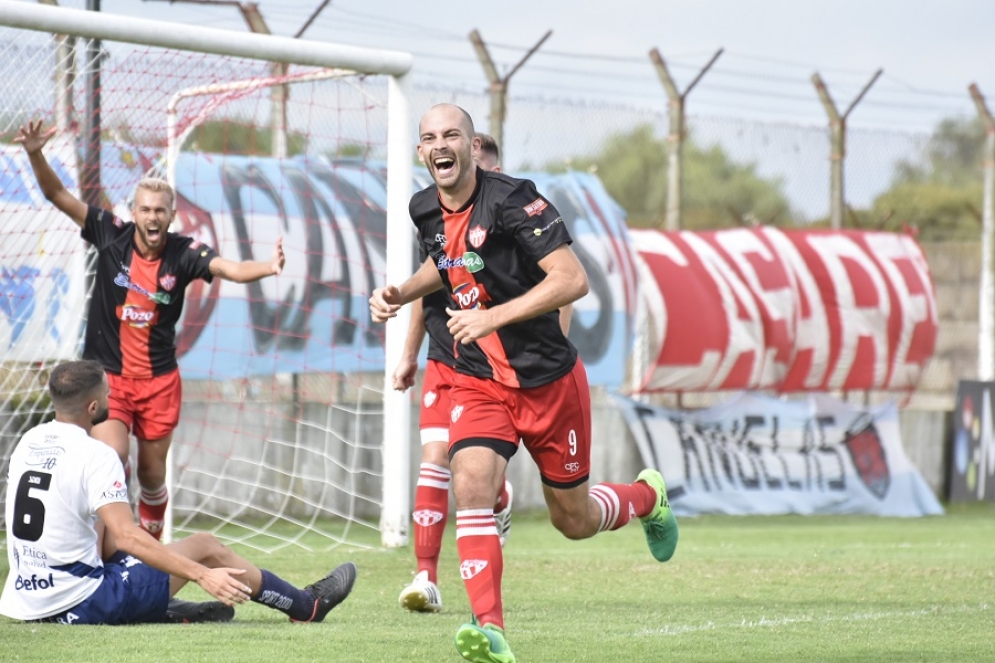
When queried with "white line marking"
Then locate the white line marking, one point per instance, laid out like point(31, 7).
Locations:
point(774, 622)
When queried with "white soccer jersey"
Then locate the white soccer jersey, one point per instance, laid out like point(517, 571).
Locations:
point(58, 477)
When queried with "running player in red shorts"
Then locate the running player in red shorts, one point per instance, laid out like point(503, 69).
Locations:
point(502, 252)
point(142, 274)
point(431, 510)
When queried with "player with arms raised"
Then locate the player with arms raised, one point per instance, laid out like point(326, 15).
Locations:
point(142, 273)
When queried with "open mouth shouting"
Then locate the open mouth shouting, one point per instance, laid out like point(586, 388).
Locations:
point(445, 167)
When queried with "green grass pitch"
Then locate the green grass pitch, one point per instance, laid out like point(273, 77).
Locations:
point(765, 589)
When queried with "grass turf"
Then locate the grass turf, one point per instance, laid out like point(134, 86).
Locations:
point(765, 589)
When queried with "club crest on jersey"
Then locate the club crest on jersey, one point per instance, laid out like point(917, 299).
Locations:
point(535, 207)
point(477, 236)
point(429, 399)
point(167, 281)
point(440, 239)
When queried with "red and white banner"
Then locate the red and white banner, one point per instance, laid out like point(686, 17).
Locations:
point(787, 310)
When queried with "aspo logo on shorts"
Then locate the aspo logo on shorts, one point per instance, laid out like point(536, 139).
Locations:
point(455, 414)
point(572, 467)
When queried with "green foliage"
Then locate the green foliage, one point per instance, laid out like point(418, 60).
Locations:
point(943, 196)
point(242, 137)
point(745, 589)
point(717, 193)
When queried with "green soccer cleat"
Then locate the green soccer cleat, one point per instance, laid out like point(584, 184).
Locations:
point(483, 644)
point(659, 524)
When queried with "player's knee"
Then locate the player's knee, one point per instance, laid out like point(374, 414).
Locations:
point(570, 526)
point(209, 547)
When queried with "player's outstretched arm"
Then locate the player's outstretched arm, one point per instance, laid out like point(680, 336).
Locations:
point(404, 374)
point(33, 139)
point(248, 271)
point(387, 301)
point(221, 583)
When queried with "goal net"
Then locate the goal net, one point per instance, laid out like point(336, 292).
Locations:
point(281, 434)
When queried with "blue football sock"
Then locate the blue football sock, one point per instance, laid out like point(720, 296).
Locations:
point(279, 594)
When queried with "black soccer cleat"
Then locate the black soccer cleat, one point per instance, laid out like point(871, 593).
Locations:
point(191, 612)
point(331, 590)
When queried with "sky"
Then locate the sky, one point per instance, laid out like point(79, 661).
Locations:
point(930, 51)
point(597, 55)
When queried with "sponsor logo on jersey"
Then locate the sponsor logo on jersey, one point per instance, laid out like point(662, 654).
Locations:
point(136, 316)
point(440, 239)
point(116, 494)
point(477, 236)
point(29, 556)
point(123, 280)
point(167, 281)
point(429, 398)
point(471, 567)
point(535, 207)
point(572, 467)
point(34, 583)
point(539, 231)
point(469, 295)
point(426, 518)
point(470, 260)
point(455, 414)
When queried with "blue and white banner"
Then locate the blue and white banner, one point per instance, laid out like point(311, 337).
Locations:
point(761, 455)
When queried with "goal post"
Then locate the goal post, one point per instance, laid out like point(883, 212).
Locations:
point(309, 422)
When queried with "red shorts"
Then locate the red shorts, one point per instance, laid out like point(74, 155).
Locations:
point(435, 406)
point(149, 407)
point(552, 421)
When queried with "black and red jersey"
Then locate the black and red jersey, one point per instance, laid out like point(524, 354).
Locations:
point(136, 303)
point(487, 253)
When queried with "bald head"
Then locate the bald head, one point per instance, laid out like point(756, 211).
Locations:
point(451, 112)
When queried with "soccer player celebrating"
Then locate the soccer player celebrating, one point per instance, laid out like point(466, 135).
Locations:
point(502, 252)
point(76, 554)
point(142, 274)
point(432, 489)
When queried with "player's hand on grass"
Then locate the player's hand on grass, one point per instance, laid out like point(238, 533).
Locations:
point(469, 325)
point(279, 259)
point(404, 374)
point(385, 303)
point(222, 584)
point(32, 137)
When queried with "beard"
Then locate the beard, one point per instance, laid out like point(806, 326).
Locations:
point(100, 417)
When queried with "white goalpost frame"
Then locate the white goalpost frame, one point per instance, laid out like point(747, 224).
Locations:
point(396, 479)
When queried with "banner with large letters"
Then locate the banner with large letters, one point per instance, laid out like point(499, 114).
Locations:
point(315, 317)
point(758, 454)
point(764, 308)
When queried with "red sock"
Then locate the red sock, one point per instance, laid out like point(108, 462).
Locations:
point(621, 502)
point(152, 510)
point(481, 563)
point(503, 499)
point(431, 511)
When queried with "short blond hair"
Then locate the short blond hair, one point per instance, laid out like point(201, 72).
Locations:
point(157, 185)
